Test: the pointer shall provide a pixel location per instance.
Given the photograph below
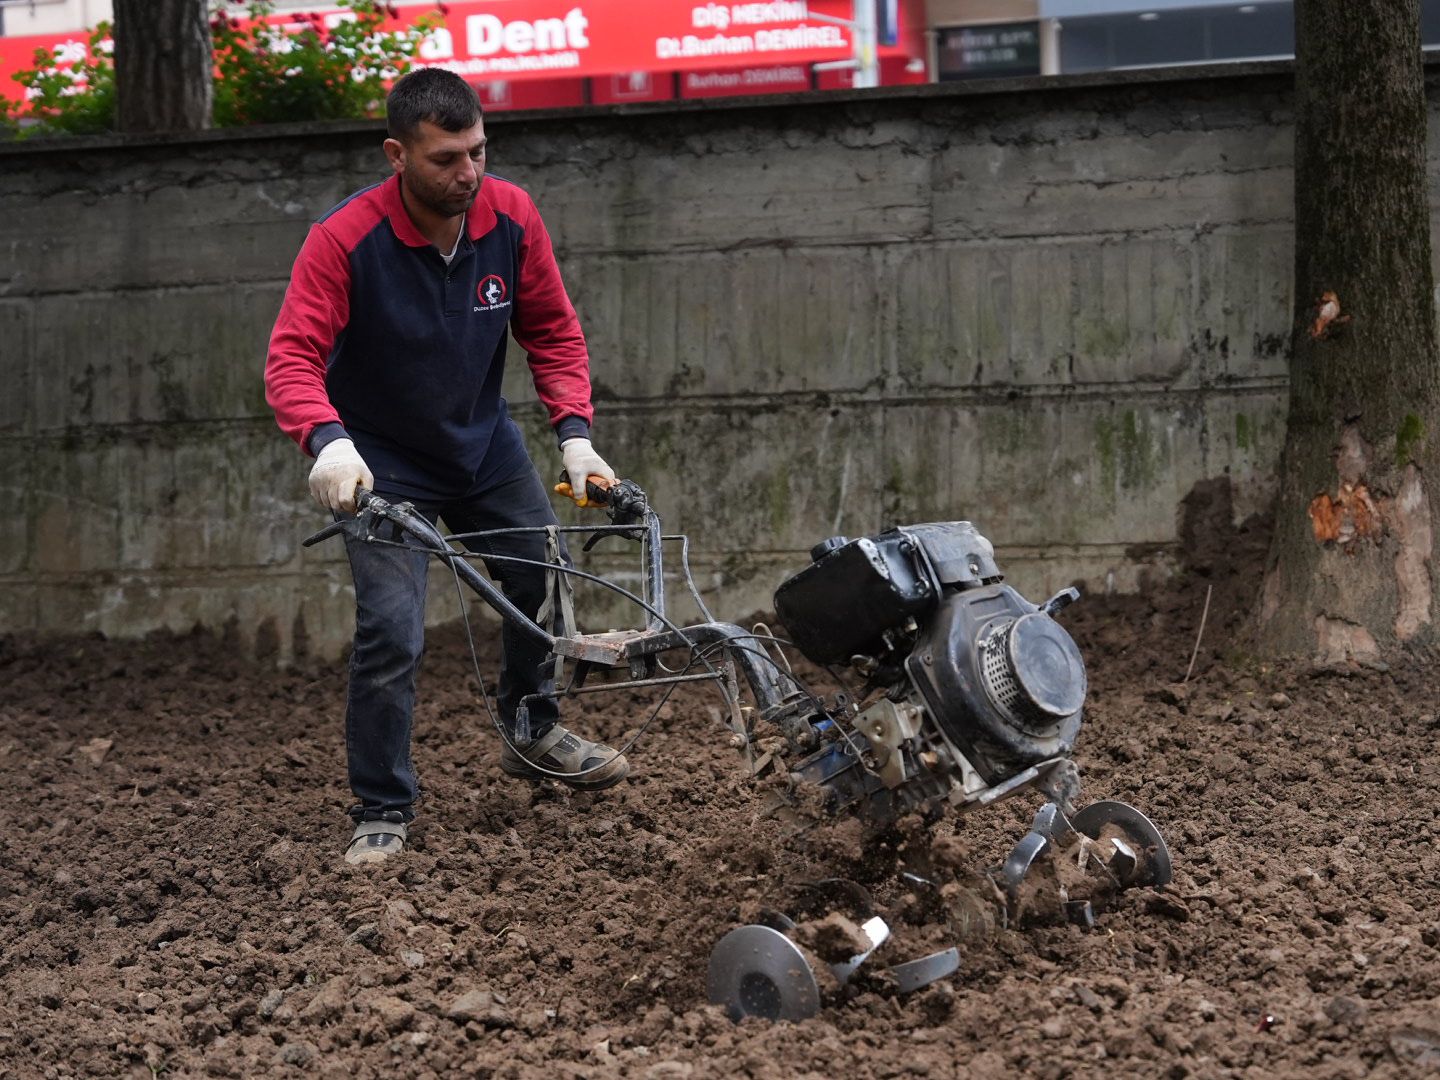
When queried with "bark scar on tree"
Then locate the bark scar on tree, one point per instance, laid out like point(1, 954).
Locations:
point(1350, 514)
point(1410, 521)
point(1345, 517)
point(1327, 316)
point(1271, 595)
point(1339, 640)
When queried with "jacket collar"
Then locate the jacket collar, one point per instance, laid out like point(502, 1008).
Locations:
point(479, 221)
point(400, 217)
point(481, 218)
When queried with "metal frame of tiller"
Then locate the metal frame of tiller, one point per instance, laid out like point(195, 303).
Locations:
point(755, 970)
point(779, 698)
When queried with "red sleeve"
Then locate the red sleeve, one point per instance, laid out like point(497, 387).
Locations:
point(315, 309)
point(547, 329)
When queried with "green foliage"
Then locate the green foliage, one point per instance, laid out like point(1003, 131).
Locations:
point(66, 94)
point(1411, 433)
point(265, 75)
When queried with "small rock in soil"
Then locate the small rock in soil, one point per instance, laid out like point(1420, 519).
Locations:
point(1417, 1046)
point(395, 1014)
point(1224, 763)
point(481, 1007)
point(299, 1054)
point(95, 750)
point(670, 1070)
point(326, 1005)
point(1346, 1010)
point(1167, 904)
point(1088, 998)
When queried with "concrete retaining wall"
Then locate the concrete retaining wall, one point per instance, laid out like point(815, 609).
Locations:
point(1051, 308)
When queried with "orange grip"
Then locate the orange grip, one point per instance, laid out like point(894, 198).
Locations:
point(595, 486)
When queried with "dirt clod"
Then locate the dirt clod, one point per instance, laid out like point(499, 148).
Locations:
point(834, 938)
point(481, 1007)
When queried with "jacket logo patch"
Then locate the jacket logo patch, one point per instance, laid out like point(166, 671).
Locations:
point(491, 293)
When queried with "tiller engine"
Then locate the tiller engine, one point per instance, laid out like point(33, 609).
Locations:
point(972, 694)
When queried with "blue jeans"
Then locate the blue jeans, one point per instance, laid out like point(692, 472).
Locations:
point(390, 638)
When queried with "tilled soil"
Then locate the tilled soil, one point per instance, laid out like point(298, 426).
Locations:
point(173, 901)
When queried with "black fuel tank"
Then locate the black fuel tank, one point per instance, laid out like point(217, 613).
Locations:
point(841, 604)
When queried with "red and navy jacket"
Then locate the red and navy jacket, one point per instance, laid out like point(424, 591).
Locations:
point(379, 341)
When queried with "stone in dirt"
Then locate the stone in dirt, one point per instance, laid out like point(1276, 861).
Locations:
point(332, 999)
point(1346, 1010)
point(395, 1014)
point(481, 1007)
point(95, 750)
point(1417, 1046)
point(299, 1054)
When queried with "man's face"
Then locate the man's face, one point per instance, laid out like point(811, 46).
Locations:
point(441, 169)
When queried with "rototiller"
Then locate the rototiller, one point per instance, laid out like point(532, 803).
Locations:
point(972, 694)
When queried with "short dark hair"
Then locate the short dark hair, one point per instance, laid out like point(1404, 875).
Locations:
point(433, 94)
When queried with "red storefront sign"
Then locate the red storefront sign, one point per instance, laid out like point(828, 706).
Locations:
point(498, 95)
point(732, 82)
point(565, 41)
point(632, 86)
point(18, 54)
point(543, 38)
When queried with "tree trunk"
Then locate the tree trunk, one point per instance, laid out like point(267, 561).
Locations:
point(1349, 574)
point(162, 65)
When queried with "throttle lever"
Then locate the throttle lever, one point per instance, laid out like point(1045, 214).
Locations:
point(1061, 600)
point(333, 529)
point(340, 525)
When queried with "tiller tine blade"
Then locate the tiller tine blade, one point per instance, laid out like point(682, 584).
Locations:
point(1118, 848)
point(917, 974)
point(1127, 842)
point(757, 971)
point(1017, 865)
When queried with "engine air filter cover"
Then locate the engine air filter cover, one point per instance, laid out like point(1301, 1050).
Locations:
point(964, 669)
point(1033, 669)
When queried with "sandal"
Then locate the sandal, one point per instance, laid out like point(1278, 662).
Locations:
point(590, 766)
point(376, 841)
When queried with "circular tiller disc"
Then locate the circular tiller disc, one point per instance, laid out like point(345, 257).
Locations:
point(757, 971)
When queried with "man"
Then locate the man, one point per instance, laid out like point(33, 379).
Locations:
point(385, 364)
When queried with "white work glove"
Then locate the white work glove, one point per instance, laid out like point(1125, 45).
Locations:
point(581, 463)
point(338, 470)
